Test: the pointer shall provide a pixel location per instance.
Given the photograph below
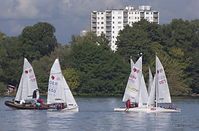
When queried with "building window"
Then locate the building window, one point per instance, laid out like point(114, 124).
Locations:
point(119, 17)
point(113, 17)
point(102, 18)
point(102, 27)
point(102, 22)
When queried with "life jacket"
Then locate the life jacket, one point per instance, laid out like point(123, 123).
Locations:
point(40, 100)
point(128, 104)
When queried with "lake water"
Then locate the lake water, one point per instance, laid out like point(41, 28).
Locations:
point(96, 114)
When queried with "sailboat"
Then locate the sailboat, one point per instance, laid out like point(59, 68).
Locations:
point(159, 92)
point(135, 90)
point(27, 86)
point(59, 94)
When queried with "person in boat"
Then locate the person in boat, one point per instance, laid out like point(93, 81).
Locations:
point(170, 106)
point(39, 103)
point(60, 106)
point(135, 104)
point(35, 94)
point(128, 104)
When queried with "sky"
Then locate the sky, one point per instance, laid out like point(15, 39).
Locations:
point(71, 16)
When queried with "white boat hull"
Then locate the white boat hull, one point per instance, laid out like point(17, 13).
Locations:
point(74, 109)
point(147, 110)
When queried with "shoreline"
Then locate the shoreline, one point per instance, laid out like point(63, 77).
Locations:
point(97, 95)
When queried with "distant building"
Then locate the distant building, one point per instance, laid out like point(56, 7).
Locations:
point(110, 22)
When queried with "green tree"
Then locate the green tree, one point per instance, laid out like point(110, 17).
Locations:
point(10, 61)
point(42, 71)
point(72, 78)
point(174, 70)
point(38, 40)
point(138, 39)
point(150, 39)
point(101, 71)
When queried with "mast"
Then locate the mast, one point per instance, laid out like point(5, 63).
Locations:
point(156, 84)
point(139, 87)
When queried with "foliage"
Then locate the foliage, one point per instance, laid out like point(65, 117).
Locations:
point(168, 41)
point(38, 40)
point(138, 39)
point(34, 43)
point(101, 71)
point(72, 78)
point(42, 71)
point(2, 88)
point(91, 68)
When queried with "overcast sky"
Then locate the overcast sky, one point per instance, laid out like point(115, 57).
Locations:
point(71, 16)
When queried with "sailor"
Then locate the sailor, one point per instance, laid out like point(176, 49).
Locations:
point(35, 94)
point(39, 102)
point(128, 104)
point(136, 104)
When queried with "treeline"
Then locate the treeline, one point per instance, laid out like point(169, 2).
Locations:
point(89, 65)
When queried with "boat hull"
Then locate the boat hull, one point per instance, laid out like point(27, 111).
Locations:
point(73, 109)
point(147, 110)
point(12, 105)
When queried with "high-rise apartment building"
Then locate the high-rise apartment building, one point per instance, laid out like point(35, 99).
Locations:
point(110, 22)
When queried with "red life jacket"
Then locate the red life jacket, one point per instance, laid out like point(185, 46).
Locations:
point(128, 104)
point(40, 100)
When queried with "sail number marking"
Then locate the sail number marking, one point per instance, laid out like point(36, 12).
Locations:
point(53, 83)
point(52, 90)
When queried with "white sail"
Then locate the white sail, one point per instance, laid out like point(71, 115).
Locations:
point(143, 93)
point(151, 99)
point(68, 94)
point(58, 89)
point(27, 83)
point(132, 64)
point(150, 81)
point(163, 94)
point(132, 88)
